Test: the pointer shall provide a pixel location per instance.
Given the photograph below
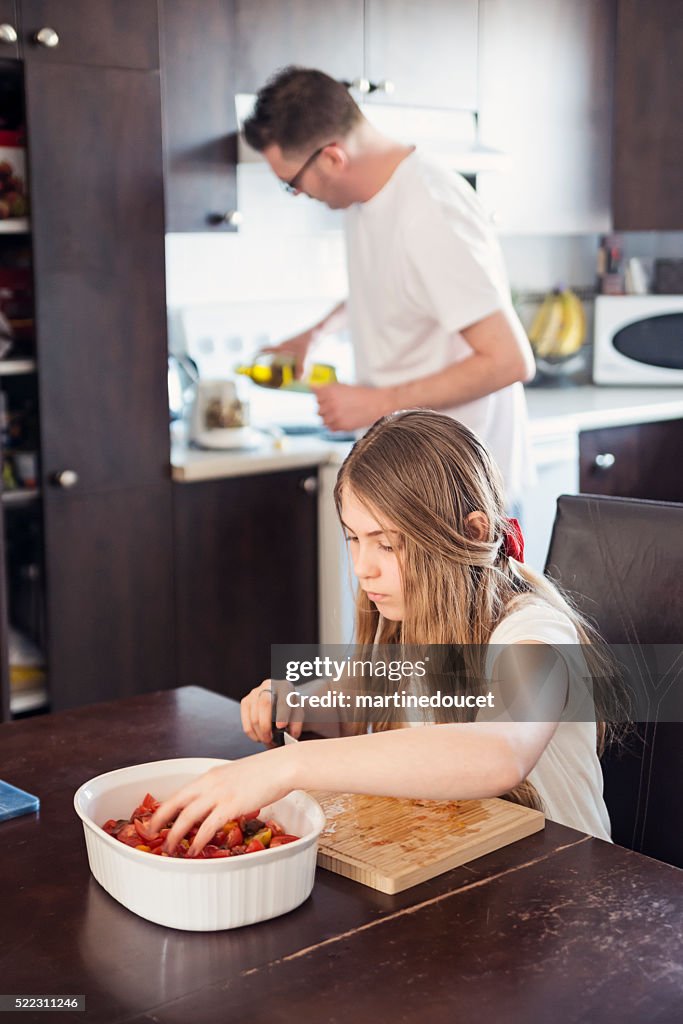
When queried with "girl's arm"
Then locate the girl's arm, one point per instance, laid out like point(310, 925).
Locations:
point(457, 761)
point(442, 762)
point(439, 762)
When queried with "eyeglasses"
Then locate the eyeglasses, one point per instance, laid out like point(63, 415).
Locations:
point(291, 186)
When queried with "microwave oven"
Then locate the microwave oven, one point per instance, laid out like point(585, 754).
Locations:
point(638, 339)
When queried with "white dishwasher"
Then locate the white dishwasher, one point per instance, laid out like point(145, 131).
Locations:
point(556, 458)
point(336, 581)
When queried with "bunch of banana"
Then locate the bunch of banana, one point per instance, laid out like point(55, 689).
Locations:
point(559, 327)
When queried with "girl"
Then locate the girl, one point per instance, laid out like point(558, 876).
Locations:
point(437, 562)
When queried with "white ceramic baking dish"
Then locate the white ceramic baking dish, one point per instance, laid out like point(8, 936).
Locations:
point(196, 895)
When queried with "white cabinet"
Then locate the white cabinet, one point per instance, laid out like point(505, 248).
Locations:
point(545, 98)
point(426, 53)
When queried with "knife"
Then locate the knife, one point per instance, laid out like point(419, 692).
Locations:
point(281, 737)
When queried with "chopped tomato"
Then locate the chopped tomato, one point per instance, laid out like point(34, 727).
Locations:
point(246, 834)
point(147, 808)
point(151, 839)
point(254, 845)
point(128, 835)
point(140, 829)
point(282, 839)
point(235, 837)
point(113, 828)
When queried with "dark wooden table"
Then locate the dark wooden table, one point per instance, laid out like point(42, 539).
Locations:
point(558, 927)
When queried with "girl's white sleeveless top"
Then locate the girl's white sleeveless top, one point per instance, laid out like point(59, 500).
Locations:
point(567, 776)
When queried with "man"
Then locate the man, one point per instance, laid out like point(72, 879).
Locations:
point(429, 309)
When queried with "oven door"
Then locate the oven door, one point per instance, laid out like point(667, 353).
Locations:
point(638, 340)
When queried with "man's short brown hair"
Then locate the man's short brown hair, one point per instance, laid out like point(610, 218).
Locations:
point(298, 109)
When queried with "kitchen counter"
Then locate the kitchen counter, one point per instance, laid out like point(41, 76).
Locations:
point(563, 410)
point(192, 464)
point(553, 412)
point(556, 926)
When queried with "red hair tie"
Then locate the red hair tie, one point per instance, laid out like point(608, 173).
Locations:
point(513, 541)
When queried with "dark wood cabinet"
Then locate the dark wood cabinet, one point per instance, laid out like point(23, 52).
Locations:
point(199, 53)
point(4, 661)
point(98, 250)
point(246, 575)
point(648, 128)
point(97, 241)
point(274, 33)
point(113, 33)
point(109, 594)
point(641, 460)
point(427, 51)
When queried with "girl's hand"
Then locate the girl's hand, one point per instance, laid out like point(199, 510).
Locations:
point(258, 707)
point(222, 794)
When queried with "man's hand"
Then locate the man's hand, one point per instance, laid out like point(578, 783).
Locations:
point(349, 407)
point(297, 346)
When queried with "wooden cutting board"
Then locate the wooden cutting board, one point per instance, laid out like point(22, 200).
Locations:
point(391, 844)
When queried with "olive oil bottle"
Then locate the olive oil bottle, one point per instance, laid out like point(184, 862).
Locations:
point(279, 371)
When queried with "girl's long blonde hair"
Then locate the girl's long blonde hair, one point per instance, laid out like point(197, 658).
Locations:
point(423, 473)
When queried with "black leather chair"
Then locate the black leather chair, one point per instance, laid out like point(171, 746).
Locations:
point(621, 560)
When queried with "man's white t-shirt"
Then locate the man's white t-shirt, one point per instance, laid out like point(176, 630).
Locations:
point(423, 263)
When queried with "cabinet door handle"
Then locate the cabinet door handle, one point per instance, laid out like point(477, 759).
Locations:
point(309, 485)
point(8, 34)
point(386, 86)
point(66, 478)
point(46, 37)
point(604, 461)
point(360, 84)
point(232, 217)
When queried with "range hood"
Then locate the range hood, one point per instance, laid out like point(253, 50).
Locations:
point(449, 136)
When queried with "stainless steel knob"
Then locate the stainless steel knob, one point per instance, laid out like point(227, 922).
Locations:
point(604, 461)
point(8, 34)
point(232, 217)
point(66, 478)
point(386, 86)
point(47, 37)
point(361, 85)
point(309, 484)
